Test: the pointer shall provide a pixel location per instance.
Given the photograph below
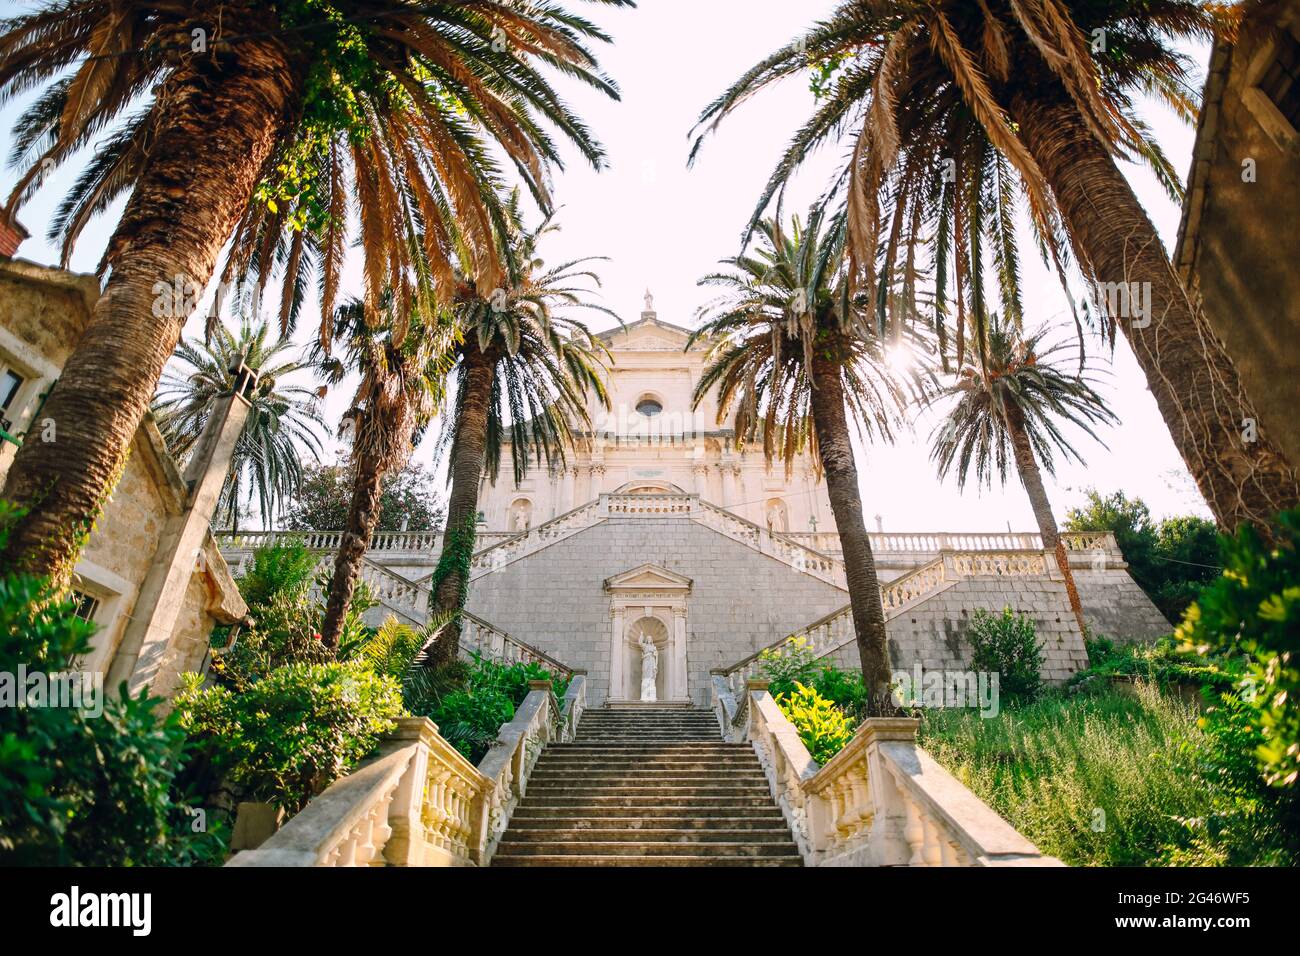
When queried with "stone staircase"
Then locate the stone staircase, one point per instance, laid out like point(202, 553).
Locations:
point(647, 785)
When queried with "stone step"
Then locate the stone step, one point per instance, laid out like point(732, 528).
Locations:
point(580, 766)
point(709, 859)
point(669, 848)
point(646, 778)
point(643, 823)
point(654, 791)
point(601, 801)
point(659, 736)
point(642, 835)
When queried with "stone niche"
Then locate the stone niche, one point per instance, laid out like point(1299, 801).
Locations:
point(648, 601)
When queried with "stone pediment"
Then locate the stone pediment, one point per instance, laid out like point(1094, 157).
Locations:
point(648, 577)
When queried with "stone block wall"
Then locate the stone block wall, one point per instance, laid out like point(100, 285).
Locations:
point(933, 631)
point(740, 600)
point(1114, 605)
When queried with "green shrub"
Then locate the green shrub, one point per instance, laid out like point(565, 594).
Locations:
point(1113, 780)
point(1254, 609)
point(76, 788)
point(284, 568)
point(1162, 662)
point(286, 737)
point(786, 666)
point(470, 719)
point(846, 689)
point(822, 726)
point(1006, 644)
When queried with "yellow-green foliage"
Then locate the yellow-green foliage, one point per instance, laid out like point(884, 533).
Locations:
point(822, 726)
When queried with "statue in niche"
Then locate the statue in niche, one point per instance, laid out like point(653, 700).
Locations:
point(649, 668)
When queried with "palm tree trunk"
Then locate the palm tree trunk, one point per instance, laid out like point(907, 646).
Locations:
point(225, 113)
point(468, 456)
point(1031, 477)
point(1191, 376)
point(363, 517)
point(836, 452)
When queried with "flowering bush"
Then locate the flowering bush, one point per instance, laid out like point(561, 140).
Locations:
point(823, 727)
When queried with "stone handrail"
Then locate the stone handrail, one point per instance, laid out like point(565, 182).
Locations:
point(416, 804)
point(420, 802)
point(429, 543)
point(881, 801)
point(520, 545)
point(833, 631)
point(782, 547)
point(477, 635)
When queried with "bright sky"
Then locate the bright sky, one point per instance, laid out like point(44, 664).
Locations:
point(663, 226)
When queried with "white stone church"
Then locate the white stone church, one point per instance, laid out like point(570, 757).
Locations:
point(660, 529)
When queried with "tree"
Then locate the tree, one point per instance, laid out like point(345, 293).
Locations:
point(957, 109)
point(523, 375)
point(793, 353)
point(265, 125)
point(407, 500)
point(282, 427)
point(1171, 559)
point(1007, 408)
point(402, 385)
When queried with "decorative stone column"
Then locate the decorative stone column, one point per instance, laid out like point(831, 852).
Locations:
point(617, 679)
point(680, 689)
point(700, 478)
point(566, 489)
point(729, 498)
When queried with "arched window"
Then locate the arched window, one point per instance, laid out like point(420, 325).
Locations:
point(521, 515)
point(649, 407)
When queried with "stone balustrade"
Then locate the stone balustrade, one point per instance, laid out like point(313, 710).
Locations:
point(833, 631)
point(478, 636)
point(419, 802)
point(238, 546)
point(881, 801)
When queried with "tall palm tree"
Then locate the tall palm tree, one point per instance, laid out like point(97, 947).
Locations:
point(794, 352)
point(929, 90)
point(524, 373)
point(271, 121)
point(402, 384)
point(282, 428)
point(1007, 408)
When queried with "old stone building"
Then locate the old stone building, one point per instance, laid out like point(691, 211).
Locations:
point(151, 576)
point(1238, 244)
point(659, 530)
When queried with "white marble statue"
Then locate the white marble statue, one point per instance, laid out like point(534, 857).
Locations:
point(649, 668)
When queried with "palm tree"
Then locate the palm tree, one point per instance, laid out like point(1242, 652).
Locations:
point(273, 123)
point(959, 107)
point(524, 374)
point(402, 385)
point(1011, 402)
point(794, 352)
point(282, 426)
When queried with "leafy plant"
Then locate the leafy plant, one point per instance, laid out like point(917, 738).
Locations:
point(1007, 644)
point(283, 568)
point(286, 737)
point(78, 787)
point(786, 666)
point(408, 500)
point(822, 726)
point(1254, 609)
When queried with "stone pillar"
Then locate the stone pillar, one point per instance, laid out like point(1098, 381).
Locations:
point(566, 489)
point(162, 593)
point(729, 498)
point(680, 689)
point(700, 479)
point(582, 487)
point(617, 678)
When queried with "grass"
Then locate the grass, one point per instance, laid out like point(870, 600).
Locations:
point(1103, 779)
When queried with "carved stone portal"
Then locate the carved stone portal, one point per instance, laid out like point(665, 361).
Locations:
point(648, 635)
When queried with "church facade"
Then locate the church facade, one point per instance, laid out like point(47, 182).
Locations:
point(662, 555)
